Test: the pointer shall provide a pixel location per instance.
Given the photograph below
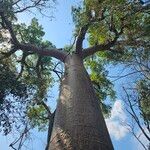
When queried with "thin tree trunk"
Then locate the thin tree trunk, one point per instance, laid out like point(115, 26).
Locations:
point(78, 122)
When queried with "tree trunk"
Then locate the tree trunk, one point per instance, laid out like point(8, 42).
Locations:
point(78, 123)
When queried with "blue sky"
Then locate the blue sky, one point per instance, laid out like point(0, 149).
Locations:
point(59, 31)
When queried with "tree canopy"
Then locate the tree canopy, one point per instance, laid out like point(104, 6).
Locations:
point(116, 32)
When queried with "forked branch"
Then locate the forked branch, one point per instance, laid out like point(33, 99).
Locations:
point(106, 46)
point(83, 30)
point(56, 53)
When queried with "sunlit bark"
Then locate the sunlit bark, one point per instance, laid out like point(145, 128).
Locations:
point(78, 123)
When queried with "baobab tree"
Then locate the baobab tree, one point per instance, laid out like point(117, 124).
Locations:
point(114, 31)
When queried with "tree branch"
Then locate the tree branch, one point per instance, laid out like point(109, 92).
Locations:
point(56, 53)
point(50, 126)
point(51, 121)
point(84, 30)
point(46, 108)
point(80, 38)
point(102, 47)
point(134, 115)
point(36, 3)
point(128, 74)
point(107, 46)
point(92, 50)
point(131, 129)
point(20, 139)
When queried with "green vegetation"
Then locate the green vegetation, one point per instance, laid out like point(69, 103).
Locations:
point(117, 33)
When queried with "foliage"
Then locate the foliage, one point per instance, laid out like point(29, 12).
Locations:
point(24, 75)
point(38, 116)
point(143, 89)
point(139, 62)
point(137, 104)
point(115, 16)
point(18, 90)
point(121, 23)
point(131, 49)
point(103, 87)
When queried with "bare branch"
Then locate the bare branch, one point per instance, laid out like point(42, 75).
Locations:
point(57, 73)
point(36, 3)
point(119, 77)
point(138, 139)
point(20, 139)
point(14, 3)
point(131, 129)
point(134, 115)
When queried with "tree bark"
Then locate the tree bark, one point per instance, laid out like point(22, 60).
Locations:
point(78, 122)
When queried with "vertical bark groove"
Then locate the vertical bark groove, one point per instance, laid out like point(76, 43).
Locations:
point(78, 123)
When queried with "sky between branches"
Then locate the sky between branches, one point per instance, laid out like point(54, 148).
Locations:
point(59, 31)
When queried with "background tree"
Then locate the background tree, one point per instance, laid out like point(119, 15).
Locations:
point(113, 31)
point(137, 96)
point(136, 89)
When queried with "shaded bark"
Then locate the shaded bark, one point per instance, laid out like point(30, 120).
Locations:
point(78, 122)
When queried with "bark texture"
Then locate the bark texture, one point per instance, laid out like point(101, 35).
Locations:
point(78, 123)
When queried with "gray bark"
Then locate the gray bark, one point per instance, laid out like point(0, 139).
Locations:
point(78, 122)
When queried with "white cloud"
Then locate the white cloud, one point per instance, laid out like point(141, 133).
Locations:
point(115, 128)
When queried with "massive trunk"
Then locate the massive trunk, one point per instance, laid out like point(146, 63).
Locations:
point(78, 123)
